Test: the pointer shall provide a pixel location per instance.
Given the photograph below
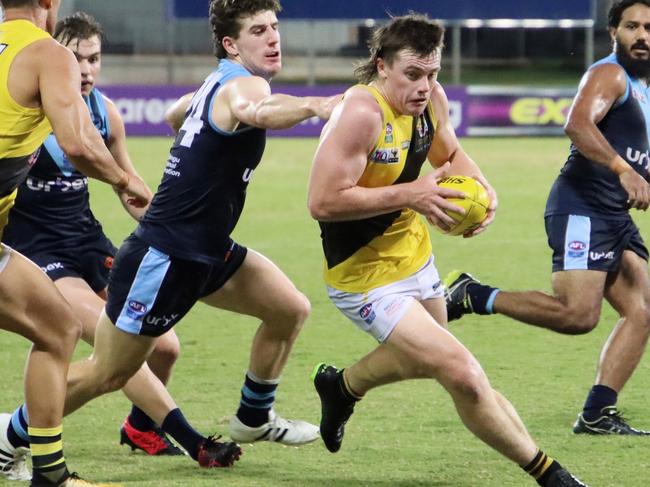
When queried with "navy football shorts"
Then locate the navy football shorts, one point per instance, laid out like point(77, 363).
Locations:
point(589, 243)
point(150, 291)
point(91, 261)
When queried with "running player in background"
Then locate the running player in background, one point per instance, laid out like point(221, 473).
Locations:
point(598, 252)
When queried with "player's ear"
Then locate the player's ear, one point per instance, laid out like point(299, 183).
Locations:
point(612, 34)
point(381, 68)
point(229, 45)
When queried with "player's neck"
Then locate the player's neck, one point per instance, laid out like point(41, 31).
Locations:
point(21, 14)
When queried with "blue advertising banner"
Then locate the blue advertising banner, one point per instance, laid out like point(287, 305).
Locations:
point(440, 9)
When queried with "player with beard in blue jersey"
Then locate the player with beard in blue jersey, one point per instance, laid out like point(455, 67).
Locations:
point(52, 224)
point(181, 251)
point(598, 252)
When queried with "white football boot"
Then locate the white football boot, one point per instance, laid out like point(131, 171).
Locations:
point(277, 429)
point(13, 464)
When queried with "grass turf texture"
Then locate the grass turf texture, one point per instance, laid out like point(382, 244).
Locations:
point(405, 434)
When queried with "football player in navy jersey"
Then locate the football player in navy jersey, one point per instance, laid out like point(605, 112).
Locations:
point(598, 252)
point(52, 224)
point(181, 251)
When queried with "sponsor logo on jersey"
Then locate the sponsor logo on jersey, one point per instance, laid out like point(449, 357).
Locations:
point(576, 248)
point(385, 156)
point(57, 185)
point(635, 156)
point(248, 174)
point(389, 134)
point(171, 168)
point(367, 313)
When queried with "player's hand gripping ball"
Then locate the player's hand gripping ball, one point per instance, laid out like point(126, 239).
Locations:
point(475, 203)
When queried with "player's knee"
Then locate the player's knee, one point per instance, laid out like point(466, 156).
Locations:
point(296, 310)
point(58, 335)
point(581, 320)
point(167, 350)
point(469, 383)
point(113, 380)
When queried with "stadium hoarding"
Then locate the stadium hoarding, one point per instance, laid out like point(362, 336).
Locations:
point(378, 9)
point(474, 111)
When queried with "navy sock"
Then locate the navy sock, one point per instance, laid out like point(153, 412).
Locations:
point(178, 428)
point(482, 298)
point(599, 397)
point(17, 429)
point(257, 398)
point(139, 420)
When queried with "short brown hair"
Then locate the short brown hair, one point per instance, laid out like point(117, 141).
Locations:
point(414, 32)
point(226, 16)
point(79, 25)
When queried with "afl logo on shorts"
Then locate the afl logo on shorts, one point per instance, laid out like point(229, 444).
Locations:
point(137, 308)
point(108, 262)
point(576, 248)
point(367, 313)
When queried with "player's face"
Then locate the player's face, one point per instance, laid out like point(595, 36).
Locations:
point(633, 32)
point(89, 56)
point(408, 82)
point(258, 44)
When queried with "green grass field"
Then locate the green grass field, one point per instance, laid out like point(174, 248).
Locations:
point(406, 434)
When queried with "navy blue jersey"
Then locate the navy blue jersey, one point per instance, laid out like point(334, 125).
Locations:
point(585, 187)
point(52, 209)
point(203, 188)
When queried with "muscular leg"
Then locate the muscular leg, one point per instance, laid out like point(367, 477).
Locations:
point(88, 307)
point(574, 309)
point(424, 349)
point(629, 295)
point(31, 306)
point(260, 289)
point(118, 357)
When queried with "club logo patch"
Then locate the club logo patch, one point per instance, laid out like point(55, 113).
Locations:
point(367, 313)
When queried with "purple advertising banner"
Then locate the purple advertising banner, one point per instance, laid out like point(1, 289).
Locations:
point(474, 111)
point(143, 107)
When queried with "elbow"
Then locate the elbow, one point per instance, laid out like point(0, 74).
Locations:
point(572, 127)
point(319, 210)
point(73, 148)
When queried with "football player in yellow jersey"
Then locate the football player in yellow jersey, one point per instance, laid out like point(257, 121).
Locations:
point(39, 93)
point(366, 193)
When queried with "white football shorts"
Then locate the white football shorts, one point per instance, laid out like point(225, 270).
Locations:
point(379, 310)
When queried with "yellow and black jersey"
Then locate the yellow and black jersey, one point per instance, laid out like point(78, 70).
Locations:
point(22, 129)
point(361, 255)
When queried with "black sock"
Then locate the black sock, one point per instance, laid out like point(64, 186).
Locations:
point(482, 298)
point(178, 428)
point(541, 467)
point(346, 393)
point(139, 420)
point(257, 398)
point(599, 397)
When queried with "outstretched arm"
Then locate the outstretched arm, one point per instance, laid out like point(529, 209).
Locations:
point(249, 100)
